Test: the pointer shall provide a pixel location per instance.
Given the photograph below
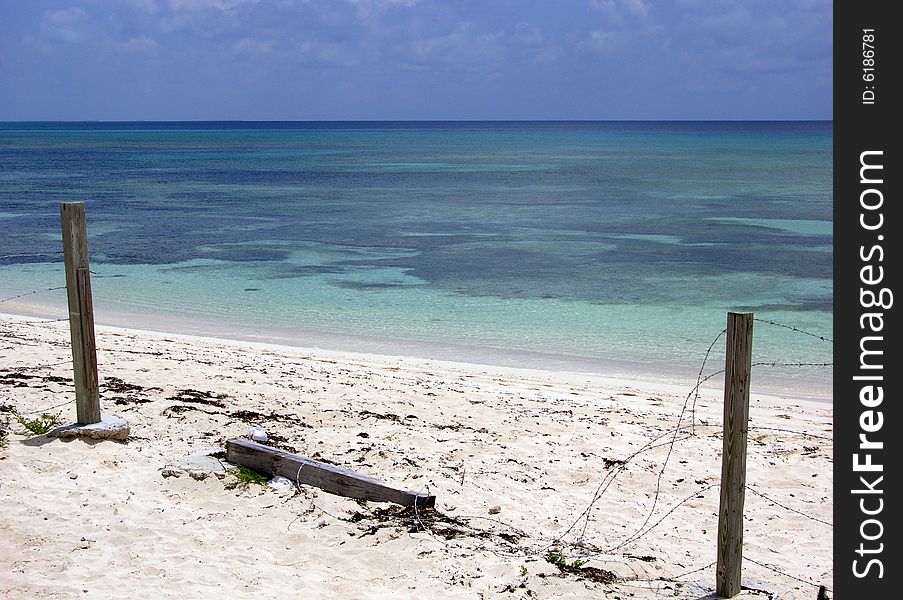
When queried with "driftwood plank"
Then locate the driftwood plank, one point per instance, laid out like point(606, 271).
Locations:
point(329, 478)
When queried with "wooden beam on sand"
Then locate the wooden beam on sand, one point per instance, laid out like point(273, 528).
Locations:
point(329, 478)
point(81, 312)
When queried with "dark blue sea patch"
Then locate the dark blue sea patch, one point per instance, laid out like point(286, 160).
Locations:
point(292, 271)
point(245, 253)
point(370, 286)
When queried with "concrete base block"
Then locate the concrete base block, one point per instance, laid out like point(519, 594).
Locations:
point(197, 466)
point(111, 427)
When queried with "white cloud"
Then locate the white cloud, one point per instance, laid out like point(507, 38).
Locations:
point(637, 7)
point(462, 48)
point(145, 6)
point(528, 34)
point(601, 39)
point(68, 25)
point(604, 4)
point(366, 10)
point(549, 55)
point(198, 5)
point(337, 55)
point(618, 11)
point(250, 46)
point(141, 43)
point(382, 4)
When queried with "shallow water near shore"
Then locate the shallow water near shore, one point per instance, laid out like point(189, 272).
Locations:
point(585, 246)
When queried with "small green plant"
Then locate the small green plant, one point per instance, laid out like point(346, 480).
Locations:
point(39, 425)
point(576, 567)
point(247, 475)
point(559, 560)
point(523, 570)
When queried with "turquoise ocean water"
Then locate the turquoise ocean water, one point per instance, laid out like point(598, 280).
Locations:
point(611, 248)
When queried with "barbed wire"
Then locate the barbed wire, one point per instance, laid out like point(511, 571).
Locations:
point(658, 482)
point(700, 380)
point(46, 410)
point(642, 533)
point(676, 578)
point(609, 479)
point(674, 439)
point(786, 574)
point(42, 321)
point(790, 364)
point(37, 321)
point(39, 367)
point(605, 484)
point(752, 488)
point(51, 289)
point(702, 568)
point(100, 258)
point(696, 397)
point(655, 586)
point(28, 254)
point(805, 433)
point(793, 328)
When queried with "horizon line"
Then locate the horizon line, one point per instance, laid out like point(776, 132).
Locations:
point(820, 120)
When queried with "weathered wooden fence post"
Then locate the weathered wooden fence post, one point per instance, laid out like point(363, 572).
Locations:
point(737, 367)
point(81, 312)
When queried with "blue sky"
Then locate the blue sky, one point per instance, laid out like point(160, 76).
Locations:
point(415, 59)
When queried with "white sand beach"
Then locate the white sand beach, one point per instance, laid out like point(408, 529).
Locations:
point(514, 458)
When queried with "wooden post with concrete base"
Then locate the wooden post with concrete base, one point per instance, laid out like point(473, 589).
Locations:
point(90, 423)
point(81, 312)
point(737, 368)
